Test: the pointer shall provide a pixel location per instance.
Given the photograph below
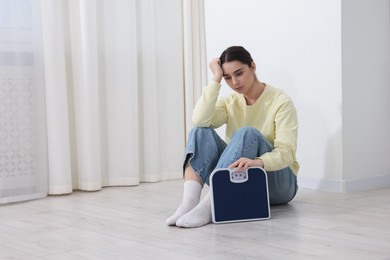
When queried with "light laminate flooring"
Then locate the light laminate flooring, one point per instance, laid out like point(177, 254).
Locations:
point(129, 223)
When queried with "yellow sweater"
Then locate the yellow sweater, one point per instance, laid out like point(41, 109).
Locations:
point(273, 114)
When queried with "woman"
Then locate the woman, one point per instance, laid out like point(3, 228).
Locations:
point(261, 130)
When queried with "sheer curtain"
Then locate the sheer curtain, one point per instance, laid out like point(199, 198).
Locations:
point(110, 87)
point(23, 158)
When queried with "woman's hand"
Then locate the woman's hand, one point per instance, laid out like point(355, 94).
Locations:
point(215, 67)
point(243, 164)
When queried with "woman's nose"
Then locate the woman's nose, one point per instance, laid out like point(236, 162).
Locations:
point(235, 81)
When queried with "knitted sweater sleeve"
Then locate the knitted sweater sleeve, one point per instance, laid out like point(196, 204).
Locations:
point(285, 142)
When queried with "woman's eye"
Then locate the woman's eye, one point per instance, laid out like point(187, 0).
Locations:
point(239, 73)
point(227, 78)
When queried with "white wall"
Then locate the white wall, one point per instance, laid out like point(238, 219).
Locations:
point(297, 46)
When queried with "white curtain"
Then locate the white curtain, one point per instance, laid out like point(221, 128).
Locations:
point(114, 83)
point(115, 87)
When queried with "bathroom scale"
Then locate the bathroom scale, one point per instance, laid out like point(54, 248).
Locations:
point(239, 196)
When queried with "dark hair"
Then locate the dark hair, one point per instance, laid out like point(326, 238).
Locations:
point(236, 53)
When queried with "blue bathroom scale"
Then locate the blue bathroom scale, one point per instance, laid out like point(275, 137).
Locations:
point(239, 196)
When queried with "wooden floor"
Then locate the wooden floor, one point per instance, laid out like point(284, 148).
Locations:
point(128, 223)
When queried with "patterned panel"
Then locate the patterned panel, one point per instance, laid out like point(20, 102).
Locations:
point(18, 154)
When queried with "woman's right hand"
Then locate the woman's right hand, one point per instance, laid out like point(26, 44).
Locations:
point(215, 67)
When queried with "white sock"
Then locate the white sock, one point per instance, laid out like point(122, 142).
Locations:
point(191, 196)
point(199, 216)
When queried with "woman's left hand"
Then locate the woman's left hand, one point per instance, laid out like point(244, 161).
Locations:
point(243, 164)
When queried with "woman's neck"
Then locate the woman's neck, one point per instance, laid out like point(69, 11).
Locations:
point(255, 92)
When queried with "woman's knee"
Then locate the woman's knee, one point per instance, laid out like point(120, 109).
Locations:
point(201, 131)
point(248, 130)
point(205, 138)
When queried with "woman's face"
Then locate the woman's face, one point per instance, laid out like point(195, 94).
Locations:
point(239, 76)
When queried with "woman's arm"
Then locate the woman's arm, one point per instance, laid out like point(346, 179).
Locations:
point(285, 142)
point(208, 112)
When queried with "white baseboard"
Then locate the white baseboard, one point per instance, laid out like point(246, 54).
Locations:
point(374, 182)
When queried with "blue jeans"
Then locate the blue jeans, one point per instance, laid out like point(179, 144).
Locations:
point(206, 151)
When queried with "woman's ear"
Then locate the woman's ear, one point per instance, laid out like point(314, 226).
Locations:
point(253, 66)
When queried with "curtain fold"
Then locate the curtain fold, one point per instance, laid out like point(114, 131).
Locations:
point(85, 71)
point(150, 103)
point(195, 63)
point(56, 98)
point(120, 88)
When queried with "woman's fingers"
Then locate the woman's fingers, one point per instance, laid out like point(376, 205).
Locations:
point(215, 67)
point(243, 164)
